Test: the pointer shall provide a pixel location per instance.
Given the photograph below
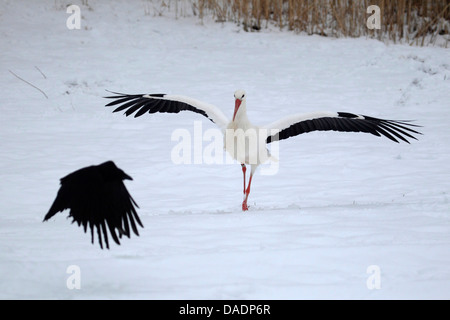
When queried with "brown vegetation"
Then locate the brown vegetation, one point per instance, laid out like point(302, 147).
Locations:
point(418, 22)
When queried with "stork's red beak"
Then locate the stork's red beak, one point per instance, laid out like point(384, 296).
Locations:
point(237, 104)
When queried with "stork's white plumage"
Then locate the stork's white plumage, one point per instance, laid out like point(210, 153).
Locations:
point(246, 142)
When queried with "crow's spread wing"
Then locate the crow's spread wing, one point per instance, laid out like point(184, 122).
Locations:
point(97, 198)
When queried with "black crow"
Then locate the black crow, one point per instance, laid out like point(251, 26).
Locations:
point(97, 197)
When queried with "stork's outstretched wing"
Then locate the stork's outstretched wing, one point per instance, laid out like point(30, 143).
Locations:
point(164, 103)
point(340, 121)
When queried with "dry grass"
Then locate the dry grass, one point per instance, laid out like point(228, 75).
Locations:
point(418, 22)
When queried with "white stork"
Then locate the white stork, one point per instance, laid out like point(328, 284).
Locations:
point(250, 151)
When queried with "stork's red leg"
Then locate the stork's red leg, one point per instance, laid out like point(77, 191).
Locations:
point(244, 170)
point(247, 192)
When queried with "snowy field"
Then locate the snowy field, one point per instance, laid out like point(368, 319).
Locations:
point(342, 210)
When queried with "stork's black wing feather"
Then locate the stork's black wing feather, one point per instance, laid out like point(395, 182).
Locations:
point(150, 103)
point(342, 121)
point(98, 199)
point(140, 104)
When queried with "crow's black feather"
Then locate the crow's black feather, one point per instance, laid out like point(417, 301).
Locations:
point(97, 198)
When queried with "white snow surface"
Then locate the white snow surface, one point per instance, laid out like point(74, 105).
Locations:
point(338, 203)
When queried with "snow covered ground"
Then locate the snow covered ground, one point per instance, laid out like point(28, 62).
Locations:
point(342, 209)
